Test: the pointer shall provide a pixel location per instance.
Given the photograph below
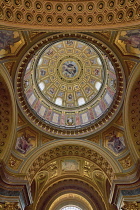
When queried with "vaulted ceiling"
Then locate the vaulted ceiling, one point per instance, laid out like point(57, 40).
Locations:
point(70, 107)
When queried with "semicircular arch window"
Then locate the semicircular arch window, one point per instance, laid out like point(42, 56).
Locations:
point(70, 207)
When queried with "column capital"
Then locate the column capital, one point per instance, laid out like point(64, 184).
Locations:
point(130, 205)
point(9, 206)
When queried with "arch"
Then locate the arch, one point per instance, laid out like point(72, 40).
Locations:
point(74, 186)
point(78, 148)
point(132, 113)
point(8, 110)
point(71, 199)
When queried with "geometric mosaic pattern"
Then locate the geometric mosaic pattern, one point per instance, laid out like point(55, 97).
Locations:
point(70, 83)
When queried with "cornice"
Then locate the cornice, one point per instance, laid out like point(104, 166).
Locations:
point(126, 186)
point(15, 187)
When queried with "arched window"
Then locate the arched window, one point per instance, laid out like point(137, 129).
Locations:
point(98, 85)
point(70, 208)
point(41, 86)
point(58, 101)
point(81, 101)
point(40, 61)
point(99, 61)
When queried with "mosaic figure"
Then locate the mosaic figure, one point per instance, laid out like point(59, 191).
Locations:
point(96, 72)
point(69, 69)
point(132, 38)
point(93, 61)
point(69, 42)
point(70, 165)
point(51, 90)
point(116, 143)
point(23, 143)
point(7, 39)
point(113, 83)
point(89, 51)
point(70, 121)
point(26, 83)
point(69, 97)
point(92, 81)
point(42, 72)
point(87, 90)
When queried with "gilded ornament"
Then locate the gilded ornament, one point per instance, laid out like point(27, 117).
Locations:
point(100, 5)
point(126, 162)
point(29, 17)
point(110, 17)
point(69, 20)
point(111, 3)
point(90, 7)
point(49, 6)
point(28, 4)
point(9, 14)
point(90, 19)
point(39, 18)
point(120, 15)
point(79, 20)
point(100, 18)
point(59, 19)
point(130, 13)
point(38, 5)
point(49, 19)
point(130, 206)
point(19, 16)
point(17, 2)
point(80, 7)
point(59, 7)
point(122, 2)
point(69, 7)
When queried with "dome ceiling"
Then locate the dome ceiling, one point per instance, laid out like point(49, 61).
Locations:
point(69, 84)
point(73, 15)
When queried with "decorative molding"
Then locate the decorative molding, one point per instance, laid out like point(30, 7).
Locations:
point(128, 205)
point(123, 189)
point(10, 206)
point(14, 189)
point(69, 151)
point(126, 162)
point(64, 15)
